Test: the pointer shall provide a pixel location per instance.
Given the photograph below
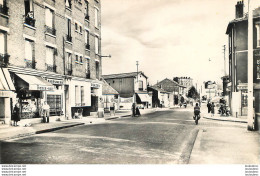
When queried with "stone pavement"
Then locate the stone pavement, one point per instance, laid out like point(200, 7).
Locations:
point(8, 132)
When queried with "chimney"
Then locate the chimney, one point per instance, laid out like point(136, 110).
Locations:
point(239, 9)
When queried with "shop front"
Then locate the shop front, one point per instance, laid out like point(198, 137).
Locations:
point(7, 96)
point(30, 93)
point(55, 98)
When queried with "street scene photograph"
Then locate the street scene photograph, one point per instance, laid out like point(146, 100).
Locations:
point(129, 82)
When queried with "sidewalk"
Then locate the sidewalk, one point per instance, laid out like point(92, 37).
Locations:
point(225, 146)
point(10, 132)
point(241, 119)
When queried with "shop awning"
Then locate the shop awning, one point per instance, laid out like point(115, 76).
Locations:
point(144, 97)
point(5, 80)
point(35, 83)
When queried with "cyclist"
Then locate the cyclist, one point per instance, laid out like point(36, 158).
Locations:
point(196, 116)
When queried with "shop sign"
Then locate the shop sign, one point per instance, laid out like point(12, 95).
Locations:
point(42, 88)
point(55, 81)
point(241, 87)
point(5, 94)
point(94, 85)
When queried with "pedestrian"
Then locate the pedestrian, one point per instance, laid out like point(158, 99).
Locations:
point(212, 109)
point(41, 113)
point(46, 112)
point(112, 108)
point(133, 109)
point(209, 107)
point(137, 111)
point(16, 114)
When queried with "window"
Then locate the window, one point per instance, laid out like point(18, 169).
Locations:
point(69, 62)
point(77, 58)
point(2, 43)
point(82, 95)
point(140, 85)
point(3, 7)
point(76, 27)
point(96, 17)
point(80, 29)
point(49, 21)
point(96, 45)
point(77, 100)
point(97, 70)
point(50, 59)
point(28, 50)
point(87, 39)
point(257, 34)
point(69, 38)
point(29, 15)
point(86, 10)
point(68, 4)
point(258, 69)
point(87, 68)
point(80, 59)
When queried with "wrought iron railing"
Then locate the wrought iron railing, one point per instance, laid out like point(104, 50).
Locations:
point(51, 68)
point(30, 21)
point(4, 9)
point(30, 63)
point(4, 60)
point(69, 38)
point(50, 30)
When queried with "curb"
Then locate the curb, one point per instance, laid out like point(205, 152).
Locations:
point(187, 151)
point(116, 117)
point(238, 121)
point(39, 132)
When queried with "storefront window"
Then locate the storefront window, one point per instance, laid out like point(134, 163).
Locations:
point(258, 69)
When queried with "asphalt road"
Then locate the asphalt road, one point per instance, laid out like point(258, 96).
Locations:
point(165, 136)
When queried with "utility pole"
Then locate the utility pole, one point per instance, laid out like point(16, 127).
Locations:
point(224, 51)
point(137, 69)
point(250, 116)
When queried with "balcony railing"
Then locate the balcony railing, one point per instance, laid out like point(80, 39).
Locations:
point(88, 75)
point(30, 63)
point(51, 68)
point(4, 60)
point(69, 38)
point(30, 21)
point(4, 9)
point(87, 46)
point(50, 30)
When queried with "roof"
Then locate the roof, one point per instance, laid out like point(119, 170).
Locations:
point(108, 90)
point(157, 88)
point(256, 15)
point(123, 75)
point(168, 85)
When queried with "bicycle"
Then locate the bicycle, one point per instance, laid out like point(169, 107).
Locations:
point(196, 117)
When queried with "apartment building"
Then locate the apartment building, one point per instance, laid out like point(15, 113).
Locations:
point(51, 52)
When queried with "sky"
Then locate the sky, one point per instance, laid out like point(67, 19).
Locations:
point(168, 37)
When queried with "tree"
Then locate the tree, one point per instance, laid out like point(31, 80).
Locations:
point(193, 93)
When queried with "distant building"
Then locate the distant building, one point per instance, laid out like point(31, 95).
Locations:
point(160, 97)
point(209, 90)
point(237, 31)
point(110, 96)
point(131, 85)
point(185, 81)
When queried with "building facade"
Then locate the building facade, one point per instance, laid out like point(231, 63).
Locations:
point(132, 87)
point(52, 52)
point(237, 31)
point(185, 81)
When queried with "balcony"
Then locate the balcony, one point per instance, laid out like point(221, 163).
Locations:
point(30, 63)
point(50, 30)
point(51, 68)
point(4, 9)
point(87, 46)
point(69, 38)
point(69, 69)
point(30, 21)
point(4, 60)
